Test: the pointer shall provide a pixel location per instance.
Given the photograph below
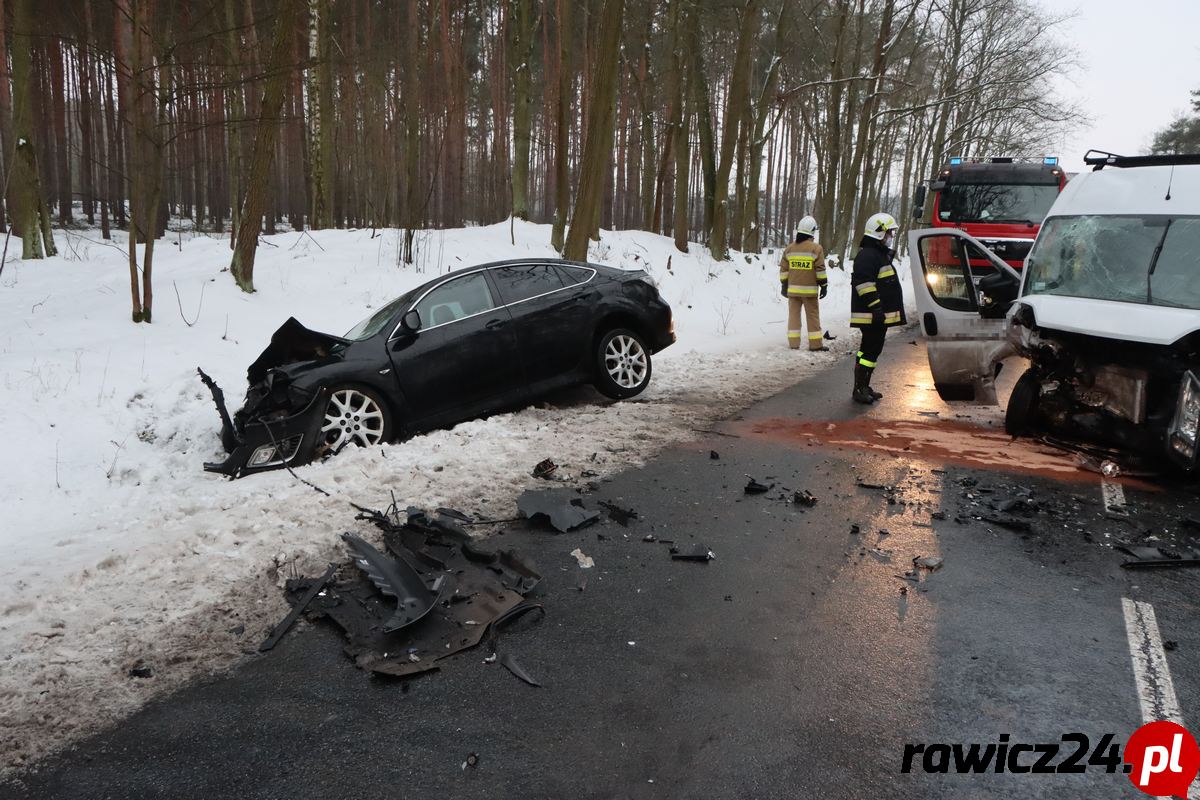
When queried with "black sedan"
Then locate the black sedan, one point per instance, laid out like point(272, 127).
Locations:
point(469, 343)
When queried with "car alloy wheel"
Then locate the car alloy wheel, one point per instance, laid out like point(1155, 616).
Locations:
point(353, 417)
point(626, 361)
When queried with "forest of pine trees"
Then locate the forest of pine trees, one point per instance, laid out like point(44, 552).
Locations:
point(717, 122)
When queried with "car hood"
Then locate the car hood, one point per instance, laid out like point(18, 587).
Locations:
point(1130, 322)
point(291, 344)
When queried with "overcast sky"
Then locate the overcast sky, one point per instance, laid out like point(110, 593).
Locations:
point(1140, 60)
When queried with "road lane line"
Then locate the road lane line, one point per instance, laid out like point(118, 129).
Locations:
point(1156, 690)
point(1114, 498)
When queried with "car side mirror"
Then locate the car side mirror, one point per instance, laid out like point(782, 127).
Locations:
point(411, 321)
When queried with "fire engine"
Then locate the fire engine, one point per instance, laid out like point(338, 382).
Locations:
point(999, 201)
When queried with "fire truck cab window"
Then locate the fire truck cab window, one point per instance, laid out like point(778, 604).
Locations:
point(996, 202)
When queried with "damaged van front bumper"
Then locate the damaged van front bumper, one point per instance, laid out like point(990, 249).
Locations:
point(266, 441)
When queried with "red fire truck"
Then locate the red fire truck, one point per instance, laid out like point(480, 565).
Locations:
point(999, 201)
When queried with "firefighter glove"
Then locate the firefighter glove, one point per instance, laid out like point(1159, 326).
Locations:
point(783, 289)
point(824, 291)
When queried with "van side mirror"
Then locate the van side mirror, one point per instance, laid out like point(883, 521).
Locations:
point(919, 202)
point(411, 321)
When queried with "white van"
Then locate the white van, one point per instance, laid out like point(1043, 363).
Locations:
point(1106, 310)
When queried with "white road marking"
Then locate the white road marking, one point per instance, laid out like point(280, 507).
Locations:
point(1114, 497)
point(1156, 690)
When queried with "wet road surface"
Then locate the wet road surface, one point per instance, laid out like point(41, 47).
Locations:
point(798, 663)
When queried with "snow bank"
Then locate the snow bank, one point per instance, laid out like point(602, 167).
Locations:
point(121, 549)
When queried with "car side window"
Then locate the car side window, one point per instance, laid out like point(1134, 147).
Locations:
point(521, 282)
point(573, 275)
point(457, 299)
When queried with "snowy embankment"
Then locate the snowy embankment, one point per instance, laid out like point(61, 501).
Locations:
point(119, 548)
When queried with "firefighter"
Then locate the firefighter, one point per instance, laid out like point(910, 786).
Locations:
point(876, 302)
point(803, 282)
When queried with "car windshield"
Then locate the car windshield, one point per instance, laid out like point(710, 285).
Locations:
point(375, 323)
point(1152, 260)
point(996, 202)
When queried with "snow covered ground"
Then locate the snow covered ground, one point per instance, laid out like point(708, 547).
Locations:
point(119, 548)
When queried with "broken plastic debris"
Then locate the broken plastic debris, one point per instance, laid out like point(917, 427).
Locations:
point(512, 665)
point(931, 563)
point(621, 516)
point(472, 761)
point(140, 670)
point(1110, 469)
point(714, 455)
point(563, 511)
point(754, 487)
point(545, 469)
point(696, 552)
point(585, 561)
point(804, 498)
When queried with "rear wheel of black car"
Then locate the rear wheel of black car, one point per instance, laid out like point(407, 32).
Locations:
point(354, 415)
point(622, 364)
point(1022, 405)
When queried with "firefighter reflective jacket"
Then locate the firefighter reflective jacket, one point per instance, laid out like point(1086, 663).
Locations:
point(876, 287)
point(802, 268)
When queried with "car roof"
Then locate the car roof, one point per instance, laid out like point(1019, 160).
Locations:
point(1153, 190)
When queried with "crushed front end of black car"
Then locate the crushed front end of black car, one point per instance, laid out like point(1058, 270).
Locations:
point(279, 424)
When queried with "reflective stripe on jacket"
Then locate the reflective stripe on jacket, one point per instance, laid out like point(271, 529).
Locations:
point(802, 268)
point(875, 286)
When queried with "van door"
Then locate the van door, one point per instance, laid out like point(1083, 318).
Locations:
point(963, 325)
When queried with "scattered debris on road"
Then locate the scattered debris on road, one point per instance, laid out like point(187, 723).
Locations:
point(472, 761)
point(754, 487)
point(804, 498)
point(298, 609)
point(141, 670)
point(695, 552)
point(714, 455)
point(510, 663)
point(473, 590)
point(585, 561)
point(931, 563)
point(621, 516)
point(562, 509)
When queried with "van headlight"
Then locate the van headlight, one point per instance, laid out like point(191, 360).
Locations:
point(1185, 430)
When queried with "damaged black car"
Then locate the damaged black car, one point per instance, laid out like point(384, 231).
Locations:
point(469, 343)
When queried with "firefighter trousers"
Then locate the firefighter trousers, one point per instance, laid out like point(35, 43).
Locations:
point(872, 344)
point(811, 308)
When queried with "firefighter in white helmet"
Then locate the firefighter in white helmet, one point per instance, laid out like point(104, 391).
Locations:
point(877, 300)
point(803, 282)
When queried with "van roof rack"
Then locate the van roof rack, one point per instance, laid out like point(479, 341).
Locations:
point(1099, 159)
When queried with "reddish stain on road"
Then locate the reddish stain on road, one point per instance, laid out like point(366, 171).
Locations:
point(939, 441)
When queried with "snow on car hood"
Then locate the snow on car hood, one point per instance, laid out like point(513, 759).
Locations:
point(291, 343)
point(1132, 322)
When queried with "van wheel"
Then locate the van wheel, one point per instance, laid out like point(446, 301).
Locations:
point(622, 364)
point(1022, 405)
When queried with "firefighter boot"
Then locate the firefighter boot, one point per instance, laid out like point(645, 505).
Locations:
point(875, 394)
point(862, 391)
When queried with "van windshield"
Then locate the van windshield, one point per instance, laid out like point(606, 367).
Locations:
point(996, 203)
point(1152, 260)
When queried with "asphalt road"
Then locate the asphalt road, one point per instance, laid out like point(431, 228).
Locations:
point(791, 666)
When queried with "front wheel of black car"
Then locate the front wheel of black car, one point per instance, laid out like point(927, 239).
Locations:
point(622, 364)
point(354, 415)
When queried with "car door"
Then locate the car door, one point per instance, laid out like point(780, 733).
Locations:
point(550, 313)
point(461, 361)
point(964, 333)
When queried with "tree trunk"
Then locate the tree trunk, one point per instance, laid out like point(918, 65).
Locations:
point(738, 85)
point(266, 131)
point(597, 149)
point(562, 130)
point(523, 24)
point(29, 208)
